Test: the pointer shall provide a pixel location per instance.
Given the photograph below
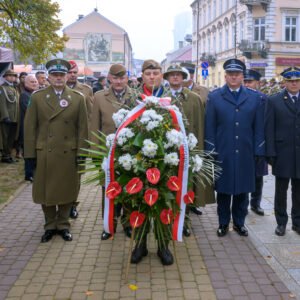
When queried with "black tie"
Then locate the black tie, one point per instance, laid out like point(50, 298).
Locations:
point(58, 96)
point(296, 101)
point(235, 94)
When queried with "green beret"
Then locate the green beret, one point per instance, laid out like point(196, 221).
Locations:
point(58, 65)
point(117, 70)
point(150, 64)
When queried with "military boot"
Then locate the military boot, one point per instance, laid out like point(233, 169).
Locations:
point(165, 255)
point(139, 251)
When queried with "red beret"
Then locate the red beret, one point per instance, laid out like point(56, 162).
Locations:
point(73, 64)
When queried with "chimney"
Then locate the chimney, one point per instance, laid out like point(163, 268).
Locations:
point(80, 17)
point(180, 44)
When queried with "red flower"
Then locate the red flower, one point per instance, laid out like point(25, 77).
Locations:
point(134, 185)
point(151, 196)
point(173, 184)
point(153, 175)
point(166, 216)
point(113, 190)
point(189, 197)
point(136, 219)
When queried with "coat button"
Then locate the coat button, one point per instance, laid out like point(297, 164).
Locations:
point(236, 151)
point(49, 150)
point(236, 123)
point(237, 110)
point(236, 137)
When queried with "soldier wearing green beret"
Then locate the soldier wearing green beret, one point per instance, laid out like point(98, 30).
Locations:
point(55, 130)
point(9, 115)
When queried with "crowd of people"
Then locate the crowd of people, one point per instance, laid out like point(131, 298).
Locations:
point(246, 125)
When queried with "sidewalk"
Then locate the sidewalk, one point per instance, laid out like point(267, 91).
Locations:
point(88, 268)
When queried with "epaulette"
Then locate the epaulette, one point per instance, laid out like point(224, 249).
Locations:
point(87, 86)
point(251, 89)
point(77, 92)
point(37, 91)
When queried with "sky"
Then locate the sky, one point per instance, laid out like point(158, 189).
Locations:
point(149, 24)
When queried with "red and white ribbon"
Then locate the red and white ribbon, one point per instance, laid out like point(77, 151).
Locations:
point(182, 170)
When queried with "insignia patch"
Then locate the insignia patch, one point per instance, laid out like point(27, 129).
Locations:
point(48, 96)
point(63, 103)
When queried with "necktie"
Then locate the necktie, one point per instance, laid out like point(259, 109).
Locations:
point(58, 96)
point(234, 93)
point(296, 102)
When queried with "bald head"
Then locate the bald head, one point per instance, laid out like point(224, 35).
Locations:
point(31, 83)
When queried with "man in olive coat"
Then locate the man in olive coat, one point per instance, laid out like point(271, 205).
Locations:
point(106, 103)
point(87, 91)
point(55, 130)
point(9, 115)
point(283, 148)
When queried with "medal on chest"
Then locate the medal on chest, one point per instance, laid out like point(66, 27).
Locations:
point(63, 103)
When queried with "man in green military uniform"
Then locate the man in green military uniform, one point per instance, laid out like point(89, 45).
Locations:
point(55, 130)
point(106, 103)
point(87, 92)
point(273, 87)
point(193, 110)
point(9, 114)
point(263, 86)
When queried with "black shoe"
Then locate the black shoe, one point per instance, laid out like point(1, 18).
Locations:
point(73, 212)
point(66, 235)
point(296, 228)
point(241, 230)
point(280, 230)
point(138, 253)
point(29, 178)
point(258, 210)
point(222, 230)
point(165, 256)
point(48, 235)
point(128, 231)
point(196, 210)
point(105, 236)
point(186, 231)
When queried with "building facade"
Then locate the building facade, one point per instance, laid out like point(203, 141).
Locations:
point(97, 43)
point(265, 34)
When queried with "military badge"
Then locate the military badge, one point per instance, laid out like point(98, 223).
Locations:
point(63, 103)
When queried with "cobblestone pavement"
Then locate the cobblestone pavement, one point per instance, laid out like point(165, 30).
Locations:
point(88, 268)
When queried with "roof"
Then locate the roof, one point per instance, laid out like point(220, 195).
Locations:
point(183, 54)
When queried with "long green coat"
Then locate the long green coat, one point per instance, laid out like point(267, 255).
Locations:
point(193, 110)
point(55, 130)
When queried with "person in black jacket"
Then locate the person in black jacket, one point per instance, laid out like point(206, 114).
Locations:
point(283, 148)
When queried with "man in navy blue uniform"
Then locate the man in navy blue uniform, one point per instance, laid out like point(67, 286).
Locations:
point(251, 81)
point(283, 148)
point(234, 131)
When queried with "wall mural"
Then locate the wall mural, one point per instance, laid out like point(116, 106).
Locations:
point(98, 47)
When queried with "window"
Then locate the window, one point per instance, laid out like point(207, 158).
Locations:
point(233, 35)
point(209, 13)
point(204, 16)
point(215, 8)
point(290, 29)
point(214, 42)
point(259, 29)
point(208, 43)
point(220, 7)
point(226, 38)
point(242, 30)
point(220, 41)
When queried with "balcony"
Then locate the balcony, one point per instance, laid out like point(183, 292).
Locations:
point(250, 48)
point(251, 3)
point(210, 58)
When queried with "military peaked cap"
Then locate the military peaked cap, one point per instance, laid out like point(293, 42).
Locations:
point(150, 64)
point(175, 68)
point(234, 65)
point(251, 75)
point(291, 73)
point(189, 66)
point(58, 65)
point(117, 70)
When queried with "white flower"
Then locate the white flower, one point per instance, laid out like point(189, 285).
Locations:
point(192, 141)
point(174, 138)
point(149, 149)
point(126, 161)
point(104, 164)
point(120, 116)
point(151, 100)
point(151, 125)
point(124, 135)
point(174, 107)
point(110, 139)
point(171, 159)
point(197, 163)
point(150, 115)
